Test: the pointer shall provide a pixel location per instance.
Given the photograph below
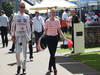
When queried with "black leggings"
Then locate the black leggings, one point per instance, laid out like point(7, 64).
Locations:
point(52, 42)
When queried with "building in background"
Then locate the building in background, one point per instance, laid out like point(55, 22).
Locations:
point(87, 4)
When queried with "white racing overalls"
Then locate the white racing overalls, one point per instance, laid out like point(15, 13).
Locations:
point(20, 28)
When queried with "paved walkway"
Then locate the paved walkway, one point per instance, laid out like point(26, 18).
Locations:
point(39, 65)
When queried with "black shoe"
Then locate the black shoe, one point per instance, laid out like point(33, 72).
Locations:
point(11, 50)
point(55, 72)
point(24, 71)
point(31, 58)
point(6, 44)
point(37, 51)
point(72, 52)
point(18, 70)
point(3, 45)
point(49, 69)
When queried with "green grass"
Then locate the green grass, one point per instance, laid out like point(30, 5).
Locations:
point(91, 59)
point(63, 50)
point(94, 48)
point(68, 35)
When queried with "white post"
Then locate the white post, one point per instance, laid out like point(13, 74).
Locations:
point(79, 43)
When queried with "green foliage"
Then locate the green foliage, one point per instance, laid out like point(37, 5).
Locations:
point(68, 35)
point(8, 8)
point(94, 47)
point(64, 50)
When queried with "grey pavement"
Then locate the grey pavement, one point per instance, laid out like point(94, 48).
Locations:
point(39, 65)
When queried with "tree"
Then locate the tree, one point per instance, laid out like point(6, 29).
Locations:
point(8, 8)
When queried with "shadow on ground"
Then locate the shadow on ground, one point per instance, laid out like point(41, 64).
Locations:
point(14, 63)
point(48, 73)
point(74, 66)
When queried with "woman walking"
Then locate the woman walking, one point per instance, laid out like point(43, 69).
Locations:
point(52, 28)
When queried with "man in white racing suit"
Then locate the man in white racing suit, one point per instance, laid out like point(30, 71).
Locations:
point(21, 34)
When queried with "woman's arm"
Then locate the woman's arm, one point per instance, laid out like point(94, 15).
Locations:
point(61, 34)
point(44, 33)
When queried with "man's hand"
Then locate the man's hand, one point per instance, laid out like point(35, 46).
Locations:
point(31, 22)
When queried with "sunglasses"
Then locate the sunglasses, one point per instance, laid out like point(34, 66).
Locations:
point(22, 6)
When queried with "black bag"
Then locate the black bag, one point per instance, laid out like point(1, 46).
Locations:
point(63, 46)
point(43, 42)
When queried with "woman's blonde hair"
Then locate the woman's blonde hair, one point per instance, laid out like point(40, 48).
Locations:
point(53, 12)
point(53, 9)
